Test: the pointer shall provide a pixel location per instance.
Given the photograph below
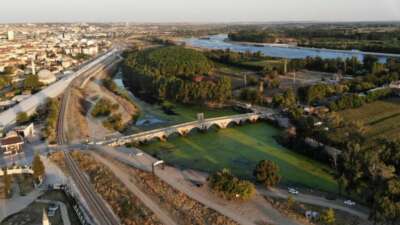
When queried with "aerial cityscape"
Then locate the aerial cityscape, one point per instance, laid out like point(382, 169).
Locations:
point(200, 112)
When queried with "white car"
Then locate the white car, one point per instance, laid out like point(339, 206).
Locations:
point(349, 203)
point(293, 191)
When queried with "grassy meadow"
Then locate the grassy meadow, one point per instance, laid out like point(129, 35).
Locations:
point(240, 149)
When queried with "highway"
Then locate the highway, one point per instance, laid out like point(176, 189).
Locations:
point(29, 105)
point(98, 208)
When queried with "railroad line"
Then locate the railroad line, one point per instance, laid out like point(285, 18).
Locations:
point(97, 206)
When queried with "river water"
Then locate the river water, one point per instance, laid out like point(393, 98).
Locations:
point(290, 52)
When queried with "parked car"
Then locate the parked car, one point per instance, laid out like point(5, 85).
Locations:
point(349, 203)
point(293, 191)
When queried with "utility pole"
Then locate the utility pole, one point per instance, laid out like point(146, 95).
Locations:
point(285, 67)
point(294, 79)
point(245, 79)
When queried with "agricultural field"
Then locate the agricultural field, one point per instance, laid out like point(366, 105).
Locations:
point(380, 118)
point(240, 149)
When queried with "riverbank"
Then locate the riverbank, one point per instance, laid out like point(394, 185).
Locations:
point(289, 52)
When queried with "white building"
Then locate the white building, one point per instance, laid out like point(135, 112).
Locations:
point(46, 77)
point(10, 35)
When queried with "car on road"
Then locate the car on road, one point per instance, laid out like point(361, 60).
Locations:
point(293, 191)
point(349, 203)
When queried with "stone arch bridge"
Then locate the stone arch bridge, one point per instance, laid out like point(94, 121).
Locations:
point(185, 128)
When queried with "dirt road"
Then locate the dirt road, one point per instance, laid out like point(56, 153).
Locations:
point(124, 178)
point(247, 213)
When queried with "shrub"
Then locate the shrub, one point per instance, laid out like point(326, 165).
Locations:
point(22, 118)
point(114, 122)
point(103, 107)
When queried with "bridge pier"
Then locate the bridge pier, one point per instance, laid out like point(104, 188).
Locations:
point(163, 138)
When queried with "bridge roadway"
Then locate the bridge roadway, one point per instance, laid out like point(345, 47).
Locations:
point(29, 105)
point(185, 128)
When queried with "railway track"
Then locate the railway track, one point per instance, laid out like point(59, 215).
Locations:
point(61, 139)
point(60, 135)
point(98, 208)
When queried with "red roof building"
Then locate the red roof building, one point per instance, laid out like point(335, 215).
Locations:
point(12, 144)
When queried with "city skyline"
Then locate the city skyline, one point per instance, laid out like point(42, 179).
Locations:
point(198, 11)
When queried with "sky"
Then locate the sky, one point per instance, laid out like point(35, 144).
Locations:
point(197, 10)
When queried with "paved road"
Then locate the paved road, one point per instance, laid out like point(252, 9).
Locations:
point(360, 212)
point(163, 216)
point(30, 104)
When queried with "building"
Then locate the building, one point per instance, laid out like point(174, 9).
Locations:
point(12, 143)
point(45, 218)
point(25, 131)
point(46, 77)
point(10, 35)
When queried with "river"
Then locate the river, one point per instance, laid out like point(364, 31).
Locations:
point(290, 52)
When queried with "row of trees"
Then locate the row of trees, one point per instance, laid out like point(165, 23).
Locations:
point(253, 36)
point(237, 59)
point(49, 112)
point(356, 100)
point(349, 38)
point(374, 174)
point(351, 66)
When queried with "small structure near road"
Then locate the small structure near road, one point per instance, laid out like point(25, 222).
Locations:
point(26, 130)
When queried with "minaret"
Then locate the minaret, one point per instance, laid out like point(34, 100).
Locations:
point(45, 220)
point(33, 67)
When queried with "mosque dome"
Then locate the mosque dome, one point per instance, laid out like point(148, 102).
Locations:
point(46, 77)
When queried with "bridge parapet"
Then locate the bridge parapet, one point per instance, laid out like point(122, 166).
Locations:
point(185, 128)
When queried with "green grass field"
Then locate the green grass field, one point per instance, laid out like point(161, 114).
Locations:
point(381, 118)
point(240, 149)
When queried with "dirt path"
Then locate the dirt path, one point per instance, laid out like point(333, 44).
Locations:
point(252, 212)
point(124, 178)
point(75, 124)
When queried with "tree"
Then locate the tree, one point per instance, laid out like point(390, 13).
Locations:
point(328, 217)
point(267, 173)
point(32, 82)
point(230, 187)
point(22, 118)
point(369, 62)
point(290, 202)
point(7, 183)
point(38, 167)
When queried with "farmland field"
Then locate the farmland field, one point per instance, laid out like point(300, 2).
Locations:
point(240, 149)
point(381, 118)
